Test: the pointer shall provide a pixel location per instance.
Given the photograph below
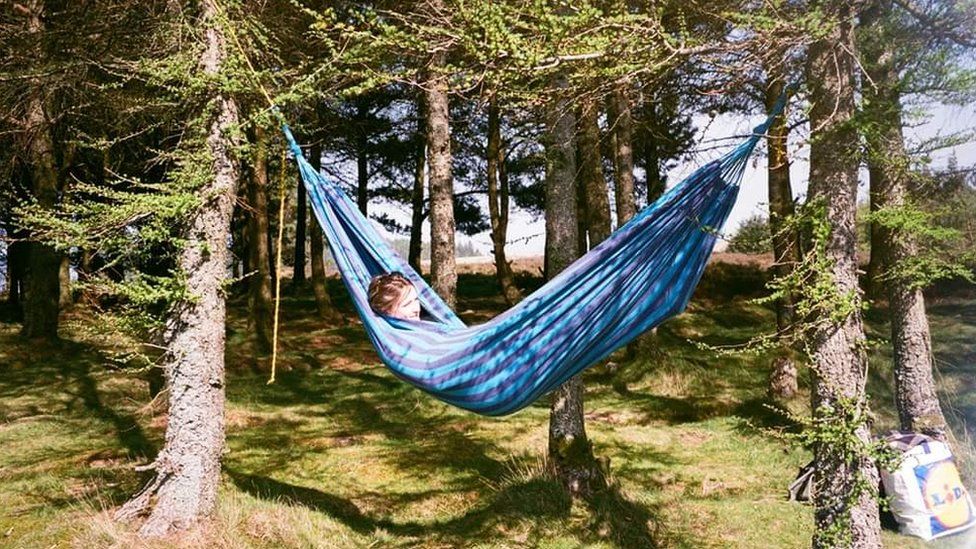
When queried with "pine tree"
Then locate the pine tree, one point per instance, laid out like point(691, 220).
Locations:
point(845, 510)
point(498, 204)
point(891, 44)
point(43, 265)
point(187, 469)
point(261, 299)
point(570, 452)
point(440, 180)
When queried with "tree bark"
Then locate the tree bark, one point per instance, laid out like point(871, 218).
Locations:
point(622, 127)
point(261, 297)
point(65, 299)
point(498, 206)
point(269, 238)
point(43, 287)
point(876, 260)
point(620, 112)
point(570, 452)
point(362, 161)
point(184, 489)
point(323, 302)
point(783, 382)
point(652, 163)
point(443, 263)
point(582, 245)
point(594, 184)
point(843, 513)
point(301, 225)
point(915, 393)
point(785, 243)
point(417, 196)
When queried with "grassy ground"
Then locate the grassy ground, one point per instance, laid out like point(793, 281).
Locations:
point(339, 453)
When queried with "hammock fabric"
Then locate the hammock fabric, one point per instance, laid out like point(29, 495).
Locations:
point(644, 273)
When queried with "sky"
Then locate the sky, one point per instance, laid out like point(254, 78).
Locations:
point(526, 233)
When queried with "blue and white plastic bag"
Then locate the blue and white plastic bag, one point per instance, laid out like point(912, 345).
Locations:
point(925, 491)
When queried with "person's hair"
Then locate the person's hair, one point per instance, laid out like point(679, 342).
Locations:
point(386, 291)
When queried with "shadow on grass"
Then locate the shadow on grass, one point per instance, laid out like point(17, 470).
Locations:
point(624, 522)
point(339, 508)
point(127, 429)
point(673, 410)
point(421, 440)
point(77, 417)
point(764, 413)
point(421, 434)
point(533, 500)
point(66, 367)
point(424, 440)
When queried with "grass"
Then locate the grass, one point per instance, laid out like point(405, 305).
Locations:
point(338, 453)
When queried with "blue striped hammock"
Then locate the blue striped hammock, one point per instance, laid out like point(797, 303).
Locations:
point(643, 274)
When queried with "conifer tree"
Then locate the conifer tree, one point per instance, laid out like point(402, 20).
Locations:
point(187, 469)
point(896, 48)
point(846, 513)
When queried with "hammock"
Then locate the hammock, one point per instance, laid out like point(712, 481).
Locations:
point(643, 274)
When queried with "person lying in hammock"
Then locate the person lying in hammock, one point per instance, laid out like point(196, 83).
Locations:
point(392, 294)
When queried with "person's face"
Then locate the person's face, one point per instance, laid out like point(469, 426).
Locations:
point(409, 306)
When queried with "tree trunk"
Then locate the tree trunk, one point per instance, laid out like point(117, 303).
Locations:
point(785, 242)
point(652, 164)
point(261, 296)
point(247, 262)
point(915, 393)
point(323, 302)
point(184, 489)
point(498, 206)
point(15, 269)
point(622, 128)
point(845, 514)
point(43, 288)
point(876, 260)
point(570, 452)
point(417, 196)
point(582, 245)
point(269, 235)
point(65, 299)
point(594, 184)
point(239, 247)
point(301, 224)
point(362, 160)
point(785, 250)
point(443, 264)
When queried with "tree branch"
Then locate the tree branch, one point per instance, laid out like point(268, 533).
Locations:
point(941, 28)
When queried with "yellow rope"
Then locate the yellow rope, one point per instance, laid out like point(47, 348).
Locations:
point(281, 233)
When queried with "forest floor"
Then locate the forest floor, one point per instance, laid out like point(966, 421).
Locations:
point(339, 453)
